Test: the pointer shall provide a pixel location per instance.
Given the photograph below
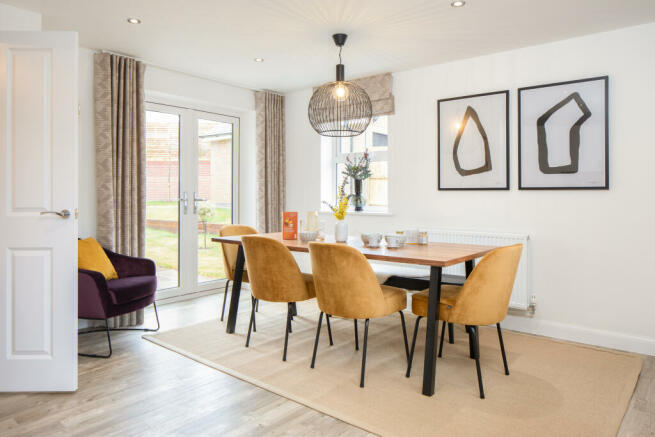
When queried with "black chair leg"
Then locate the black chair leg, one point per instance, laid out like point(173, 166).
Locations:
point(257, 306)
point(502, 348)
point(107, 329)
point(469, 330)
point(108, 342)
point(250, 325)
point(361, 381)
point(443, 332)
point(286, 332)
point(227, 283)
point(451, 333)
point(411, 352)
point(253, 302)
point(318, 334)
point(356, 336)
point(475, 341)
point(327, 317)
point(402, 322)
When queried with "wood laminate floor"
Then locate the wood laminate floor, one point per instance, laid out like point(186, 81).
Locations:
point(146, 390)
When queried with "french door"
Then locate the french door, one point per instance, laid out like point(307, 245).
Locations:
point(191, 193)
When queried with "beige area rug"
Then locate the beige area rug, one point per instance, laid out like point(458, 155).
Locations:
point(555, 388)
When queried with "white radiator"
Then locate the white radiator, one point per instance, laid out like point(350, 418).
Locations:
point(521, 295)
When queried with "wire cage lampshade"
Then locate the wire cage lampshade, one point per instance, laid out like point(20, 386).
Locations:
point(340, 108)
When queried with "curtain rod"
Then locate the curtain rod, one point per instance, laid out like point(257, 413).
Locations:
point(161, 67)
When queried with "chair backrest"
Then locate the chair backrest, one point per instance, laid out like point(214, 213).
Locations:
point(346, 285)
point(484, 298)
point(230, 250)
point(273, 273)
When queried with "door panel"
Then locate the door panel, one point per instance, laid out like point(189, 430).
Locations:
point(163, 193)
point(201, 171)
point(38, 252)
point(214, 209)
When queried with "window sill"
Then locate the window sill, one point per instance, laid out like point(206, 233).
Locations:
point(363, 213)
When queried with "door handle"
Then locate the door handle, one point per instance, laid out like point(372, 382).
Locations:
point(185, 202)
point(64, 213)
point(196, 199)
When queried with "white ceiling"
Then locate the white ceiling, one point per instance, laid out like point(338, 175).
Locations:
point(218, 39)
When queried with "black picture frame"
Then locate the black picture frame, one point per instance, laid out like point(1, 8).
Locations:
point(606, 133)
point(506, 187)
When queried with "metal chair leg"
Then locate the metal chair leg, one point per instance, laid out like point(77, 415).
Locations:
point(411, 352)
point(443, 334)
point(227, 283)
point(108, 342)
point(361, 381)
point(469, 330)
point(250, 325)
point(327, 317)
point(286, 333)
point(318, 334)
point(451, 333)
point(253, 302)
point(475, 340)
point(356, 336)
point(402, 322)
point(502, 348)
point(257, 306)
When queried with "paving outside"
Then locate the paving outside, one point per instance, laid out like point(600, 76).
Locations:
point(168, 278)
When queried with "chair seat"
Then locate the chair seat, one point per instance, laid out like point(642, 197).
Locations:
point(395, 299)
point(125, 290)
point(449, 294)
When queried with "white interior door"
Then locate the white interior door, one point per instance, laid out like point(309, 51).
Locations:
point(192, 162)
point(38, 248)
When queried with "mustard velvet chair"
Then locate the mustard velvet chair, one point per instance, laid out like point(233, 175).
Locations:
point(230, 256)
point(347, 287)
point(482, 300)
point(275, 277)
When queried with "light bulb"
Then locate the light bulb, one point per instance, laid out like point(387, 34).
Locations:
point(340, 92)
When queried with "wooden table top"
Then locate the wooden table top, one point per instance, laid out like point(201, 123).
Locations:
point(432, 254)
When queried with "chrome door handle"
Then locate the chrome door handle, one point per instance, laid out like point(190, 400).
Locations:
point(64, 213)
point(185, 202)
point(196, 199)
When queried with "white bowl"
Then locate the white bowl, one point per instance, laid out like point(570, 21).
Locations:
point(394, 240)
point(307, 236)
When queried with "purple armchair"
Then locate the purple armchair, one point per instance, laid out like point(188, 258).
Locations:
point(100, 299)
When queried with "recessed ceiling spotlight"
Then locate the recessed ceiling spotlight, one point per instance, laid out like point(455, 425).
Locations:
point(458, 4)
point(259, 59)
point(132, 20)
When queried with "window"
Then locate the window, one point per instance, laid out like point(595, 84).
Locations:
point(335, 151)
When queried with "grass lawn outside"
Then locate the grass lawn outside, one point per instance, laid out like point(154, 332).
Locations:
point(162, 247)
point(157, 210)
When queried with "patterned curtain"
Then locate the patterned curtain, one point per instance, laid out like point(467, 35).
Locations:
point(270, 160)
point(120, 159)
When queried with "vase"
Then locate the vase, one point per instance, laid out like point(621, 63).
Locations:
point(358, 200)
point(341, 231)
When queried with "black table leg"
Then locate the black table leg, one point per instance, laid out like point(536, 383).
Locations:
point(469, 267)
point(430, 362)
point(236, 292)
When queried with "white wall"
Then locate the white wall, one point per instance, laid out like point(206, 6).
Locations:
point(15, 19)
point(174, 88)
point(592, 251)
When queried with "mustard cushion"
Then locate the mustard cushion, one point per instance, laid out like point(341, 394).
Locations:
point(91, 256)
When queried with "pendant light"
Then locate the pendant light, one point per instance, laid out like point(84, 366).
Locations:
point(340, 108)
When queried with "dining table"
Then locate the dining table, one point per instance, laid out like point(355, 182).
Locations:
point(435, 255)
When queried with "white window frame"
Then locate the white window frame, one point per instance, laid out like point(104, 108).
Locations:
point(331, 157)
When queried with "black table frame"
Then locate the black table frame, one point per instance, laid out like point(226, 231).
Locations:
point(430, 361)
